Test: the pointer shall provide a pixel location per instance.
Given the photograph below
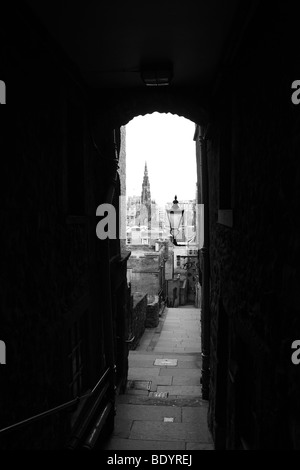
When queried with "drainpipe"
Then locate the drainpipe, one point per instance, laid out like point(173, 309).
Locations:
point(204, 254)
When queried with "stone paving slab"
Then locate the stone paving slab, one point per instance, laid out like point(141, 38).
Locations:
point(136, 392)
point(160, 380)
point(184, 390)
point(143, 363)
point(181, 327)
point(199, 446)
point(185, 357)
point(185, 381)
point(170, 350)
point(145, 344)
point(185, 320)
point(179, 372)
point(122, 427)
point(141, 372)
point(143, 354)
point(180, 348)
point(139, 423)
point(166, 362)
point(192, 339)
point(188, 342)
point(152, 430)
point(189, 350)
point(172, 328)
point(190, 414)
point(189, 401)
point(190, 365)
point(148, 412)
point(139, 444)
point(178, 339)
point(183, 332)
point(155, 380)
point(187, 324)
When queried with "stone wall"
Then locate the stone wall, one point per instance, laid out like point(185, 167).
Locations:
point(145, 282)
point(169, 266)
point(254, 274)
point(139, 311)
point(53, 269)
point(44, 267)
point(183, 292)
point(152, 316)
point(146, 271)
point(173, 292)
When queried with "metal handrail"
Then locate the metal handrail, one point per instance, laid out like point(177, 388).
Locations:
point(130, 340)
point(64, 406)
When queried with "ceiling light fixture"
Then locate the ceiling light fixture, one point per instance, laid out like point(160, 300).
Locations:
point(157, 77)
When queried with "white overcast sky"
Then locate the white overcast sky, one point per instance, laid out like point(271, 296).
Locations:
point(165, 142)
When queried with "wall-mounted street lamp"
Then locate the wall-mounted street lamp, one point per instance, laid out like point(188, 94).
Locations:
point(175, 216)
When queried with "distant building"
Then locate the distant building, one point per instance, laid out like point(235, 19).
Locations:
point(122, 174)
point(146, 222)
point(133, 210)
point(146, 200)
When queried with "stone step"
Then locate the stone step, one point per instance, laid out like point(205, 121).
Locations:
point(169, 401)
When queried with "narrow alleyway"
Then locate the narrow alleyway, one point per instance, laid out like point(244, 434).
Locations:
point(162, 408)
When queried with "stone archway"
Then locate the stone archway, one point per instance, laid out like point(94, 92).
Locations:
point(118, 107)
point(115, 109)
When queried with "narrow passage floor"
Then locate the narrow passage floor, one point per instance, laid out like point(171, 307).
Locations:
point(162, 408)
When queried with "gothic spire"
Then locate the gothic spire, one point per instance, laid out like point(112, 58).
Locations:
point(146, 194)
